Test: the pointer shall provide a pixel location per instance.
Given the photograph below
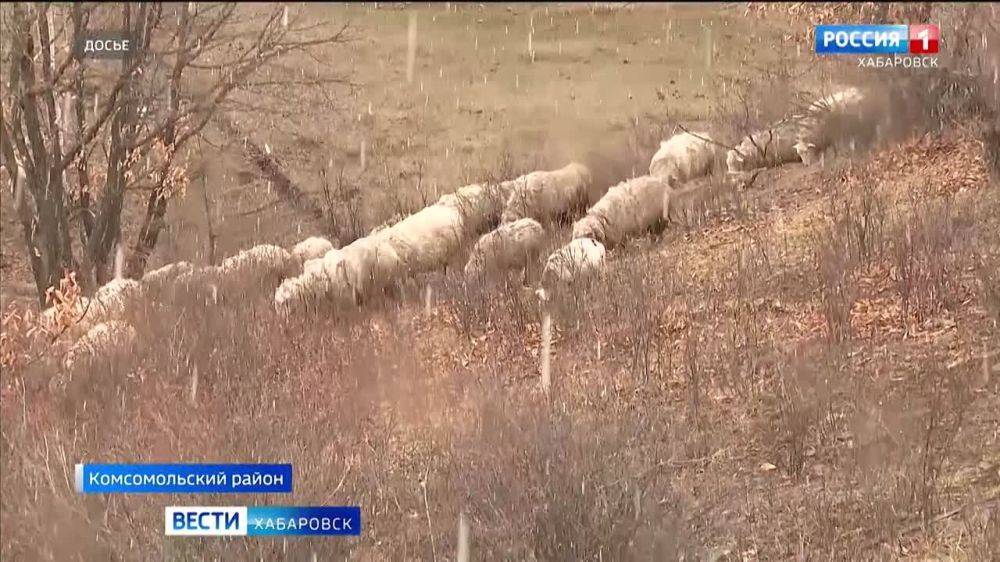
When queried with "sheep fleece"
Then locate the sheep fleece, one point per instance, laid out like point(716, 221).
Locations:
point(546, 195)
point(577, 259)
point(511, 245)
point(685, 156)
point(626, 209)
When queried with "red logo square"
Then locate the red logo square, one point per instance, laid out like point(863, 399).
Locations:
point(924, 39)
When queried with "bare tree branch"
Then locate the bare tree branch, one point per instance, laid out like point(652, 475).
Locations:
point(705, 139)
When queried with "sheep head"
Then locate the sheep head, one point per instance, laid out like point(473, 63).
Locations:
point(590, 226)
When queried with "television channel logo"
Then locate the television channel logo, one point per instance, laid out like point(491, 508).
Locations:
point(256, 521)
point(924, 39)
point(877, 39)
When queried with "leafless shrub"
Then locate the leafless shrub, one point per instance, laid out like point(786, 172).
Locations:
point(498, 301)
point(942, 418)
point(805, 405)
point(580, 508)
point(746, 346)
point(629, 285)
point(861, 216)
point(835, 269)
point(342, 207)
point(694, 373)
point(930, 249)
point(989, 275)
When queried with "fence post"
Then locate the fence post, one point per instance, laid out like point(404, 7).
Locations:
point(544, 356)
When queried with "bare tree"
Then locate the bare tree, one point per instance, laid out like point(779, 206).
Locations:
point(73, 162)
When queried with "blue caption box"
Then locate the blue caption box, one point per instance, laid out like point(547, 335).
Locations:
point(862, 39)
point(302, 521)
point(183, 478)
point(200, 521)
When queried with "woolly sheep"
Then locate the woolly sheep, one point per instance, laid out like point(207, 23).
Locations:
point(343, 276)
point(685, 156)
point(363, 266)
point(310, 248)
point(103, 339)
point(479, 205)
point(201, 282)
point(427, 239)
point(295, 293)
point(301, 290)
point(160, 278)
point(314, 264)
point(112, 300)
point(422, 242)
point(577, 260)
point(511, 245)
point(547, 195)
point(836, 118)
point(335, 268)
point(764, 149)
point(329, 261)
point(626, 209)
point(265, 265)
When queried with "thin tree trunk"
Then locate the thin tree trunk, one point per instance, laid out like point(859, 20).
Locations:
point(208, 219)
point(20, 193)
point(80, 113)
point(156, 206)
point(107, 226)
point(43, 171)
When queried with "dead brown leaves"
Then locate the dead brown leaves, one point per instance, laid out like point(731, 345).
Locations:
point(65, 302)
point(925, 167)
point(15, 326)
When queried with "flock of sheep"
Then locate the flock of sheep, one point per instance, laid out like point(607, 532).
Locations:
point(314, 271)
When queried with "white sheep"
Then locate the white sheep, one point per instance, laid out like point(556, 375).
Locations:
point(422, 242)
point(626, 209)
point(363, 267)
point(428, 239)
point(314, 264)
point(479, 205)
point(312, 247)
point(511, 245)
point(546, 195)
point(161, 277)
point(202, 282)
point(767, 148)
point(112, 300)
point(329, 261)
point(343, 276)
point(102, 340)
point(685, 156)
point(837, 118)
point(579, 259)
point(265, 265)
point(313, 284)
point(298, 292)
point(335, 268)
